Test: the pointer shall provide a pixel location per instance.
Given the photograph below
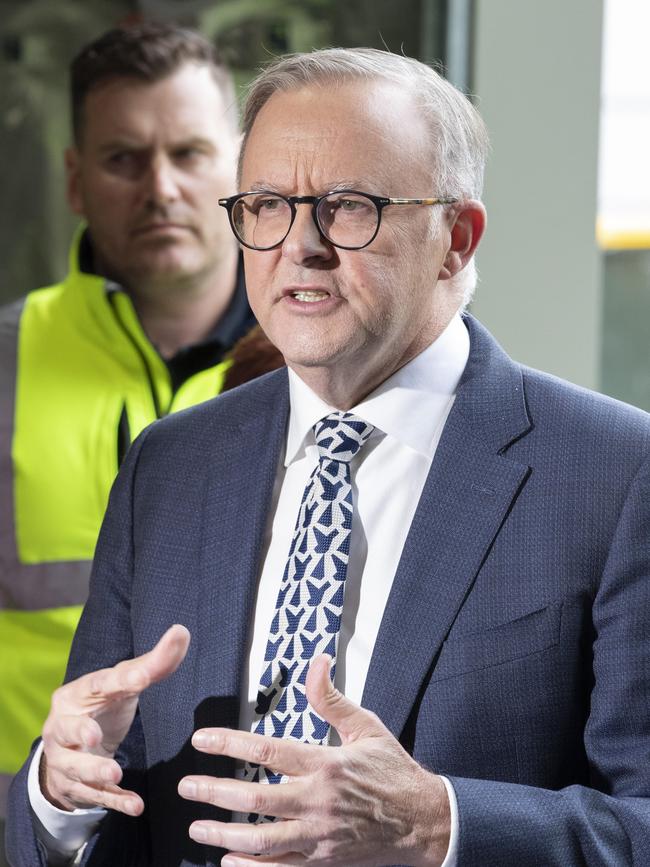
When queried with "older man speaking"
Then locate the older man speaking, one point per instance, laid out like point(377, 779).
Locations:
point(415, 574)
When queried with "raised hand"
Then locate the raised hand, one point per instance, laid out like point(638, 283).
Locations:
point(366, 802)
point(88, 720)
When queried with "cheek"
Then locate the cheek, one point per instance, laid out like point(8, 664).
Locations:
point(106, 202)
point(259, 271)
point(369, 285)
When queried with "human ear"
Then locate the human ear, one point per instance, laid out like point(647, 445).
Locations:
point(73, 181)
point(466, 230)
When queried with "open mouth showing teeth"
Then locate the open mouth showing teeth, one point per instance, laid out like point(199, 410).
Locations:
point(309, 296)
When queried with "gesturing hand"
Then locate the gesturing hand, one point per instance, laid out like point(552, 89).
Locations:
point(366, 802)
point(88, 720)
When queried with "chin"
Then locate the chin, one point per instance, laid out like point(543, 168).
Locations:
point(312, 356)
point(161, 268)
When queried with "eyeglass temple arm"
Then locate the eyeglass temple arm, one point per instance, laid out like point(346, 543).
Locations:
point(444, 201)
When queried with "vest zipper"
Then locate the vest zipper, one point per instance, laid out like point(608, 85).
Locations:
point(143, 358)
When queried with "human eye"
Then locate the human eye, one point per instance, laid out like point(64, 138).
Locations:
point(265, 205)
point(190, 155)
point(123, 163)
point(120, 158)
point(352, 204)
point(185, 154)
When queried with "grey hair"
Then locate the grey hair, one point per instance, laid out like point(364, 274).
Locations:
point(458, 134)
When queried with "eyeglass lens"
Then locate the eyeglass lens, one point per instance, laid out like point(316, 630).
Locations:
point(262, 220)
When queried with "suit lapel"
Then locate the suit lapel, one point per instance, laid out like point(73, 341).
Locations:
point(470, 488)
point(250, 437)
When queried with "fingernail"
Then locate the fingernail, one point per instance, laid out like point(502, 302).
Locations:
point(188, 788)
point(227, 861)
point(199, 833)
point(132, 807)
point(201, 739)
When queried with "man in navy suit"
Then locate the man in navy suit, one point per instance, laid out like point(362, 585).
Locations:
point(492, 684)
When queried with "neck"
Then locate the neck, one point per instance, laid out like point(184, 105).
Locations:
point(338, 391)
point(182, 314)
point(343, 384)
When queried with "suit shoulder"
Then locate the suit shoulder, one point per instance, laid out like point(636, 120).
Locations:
point(254, 402)
point(589, 415)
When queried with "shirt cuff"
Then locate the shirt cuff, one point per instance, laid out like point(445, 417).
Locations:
point(60, 831)
point(451, 858)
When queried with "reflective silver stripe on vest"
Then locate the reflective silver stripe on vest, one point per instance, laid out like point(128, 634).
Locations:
point(24, 586)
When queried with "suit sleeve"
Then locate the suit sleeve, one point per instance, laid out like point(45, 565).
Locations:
point(103, 638)
point(607, 823)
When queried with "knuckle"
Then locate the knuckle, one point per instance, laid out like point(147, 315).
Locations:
point(72, 791)
point(49, 727)
point(333, 809)
point(331, 769)
point(208, 792)
point(106, 799)
point(71, 771)
point(255, 800)
point(262, 840)
point(264, 751)
point(112, 800)
point(218, 742)
point(215, 837)
point(58, 697)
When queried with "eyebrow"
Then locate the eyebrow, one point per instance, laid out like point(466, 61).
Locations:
point(132, 144)
point(332, 187)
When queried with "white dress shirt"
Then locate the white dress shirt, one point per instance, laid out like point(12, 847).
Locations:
point(408, 411)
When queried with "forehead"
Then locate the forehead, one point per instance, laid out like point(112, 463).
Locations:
point(186, 103)
point(358, 133)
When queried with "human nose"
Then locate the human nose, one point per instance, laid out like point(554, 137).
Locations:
point(161, 182)
point(304, 240)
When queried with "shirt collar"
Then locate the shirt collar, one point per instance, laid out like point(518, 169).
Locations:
point(236, 320)
point(410, 406)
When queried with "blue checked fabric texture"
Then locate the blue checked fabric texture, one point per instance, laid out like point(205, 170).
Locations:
point(308, 610)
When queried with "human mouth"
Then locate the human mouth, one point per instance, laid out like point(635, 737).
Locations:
point(310, 296)
point(160, 227)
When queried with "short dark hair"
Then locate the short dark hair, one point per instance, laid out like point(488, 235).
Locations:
point(148, 53)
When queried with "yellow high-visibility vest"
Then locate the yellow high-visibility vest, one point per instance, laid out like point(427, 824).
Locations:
point(76, 371)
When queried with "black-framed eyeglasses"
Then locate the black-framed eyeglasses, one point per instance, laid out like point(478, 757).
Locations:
point(348, 219)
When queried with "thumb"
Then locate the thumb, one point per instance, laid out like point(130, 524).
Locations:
point(167, 655)
point(350, 721)
point(131, 676)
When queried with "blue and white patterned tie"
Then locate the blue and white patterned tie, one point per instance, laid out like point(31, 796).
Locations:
point(310, 602)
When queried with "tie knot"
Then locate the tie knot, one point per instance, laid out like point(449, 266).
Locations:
point(340, 435)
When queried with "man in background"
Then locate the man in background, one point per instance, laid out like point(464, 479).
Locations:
point(142, 326)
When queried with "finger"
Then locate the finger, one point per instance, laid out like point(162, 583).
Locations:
point(286, 801)
point(351, 721)
point(269, 838)
point(82, 767)
point(239, 859)
point(71, 731)
point(84, 796)
point(288, 757)
point(132, 676)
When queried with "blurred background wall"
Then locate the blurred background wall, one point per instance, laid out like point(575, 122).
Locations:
point(561, 86)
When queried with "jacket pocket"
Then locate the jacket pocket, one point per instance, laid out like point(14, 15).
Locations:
point(532, 633)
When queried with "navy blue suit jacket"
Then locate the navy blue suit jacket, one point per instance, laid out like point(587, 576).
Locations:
point(513, 654)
